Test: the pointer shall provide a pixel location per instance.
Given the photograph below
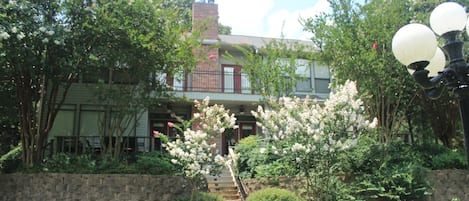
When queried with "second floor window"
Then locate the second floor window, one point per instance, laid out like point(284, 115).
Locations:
point(233, 81)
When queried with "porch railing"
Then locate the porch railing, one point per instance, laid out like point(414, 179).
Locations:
point(94, 144)
point(211, 81)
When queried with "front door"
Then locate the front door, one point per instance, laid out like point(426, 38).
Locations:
point(232, 136)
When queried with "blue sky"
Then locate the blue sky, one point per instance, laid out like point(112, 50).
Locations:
point(267, 17)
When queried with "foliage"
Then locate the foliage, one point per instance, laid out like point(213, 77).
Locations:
point(46, 46)
point(245, 148)
point(386, 172)
point(355, 41)
point(192, 151)
point(437, 157)
point(254, 161)
point(68, 163)
point(158, 163)
point(449, 160)
point(10, 161)
point(128, 88)
point(309, 136)
point(155, 163)
point(201, 196)
point(273, 194)
point(272, 68)
point(224, 30)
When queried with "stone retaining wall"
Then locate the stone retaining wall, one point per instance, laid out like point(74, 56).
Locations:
point(449, 184)
point(99, 187)
point(446, 184)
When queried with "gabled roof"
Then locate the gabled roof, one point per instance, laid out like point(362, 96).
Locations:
point(257, 42)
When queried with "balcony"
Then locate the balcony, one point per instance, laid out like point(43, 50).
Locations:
point(238, 84)
point(211, 81)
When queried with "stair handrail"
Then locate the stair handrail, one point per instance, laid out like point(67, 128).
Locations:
point(231, 162)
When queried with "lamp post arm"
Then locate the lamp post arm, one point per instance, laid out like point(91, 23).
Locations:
point(434, 93)
point(421, 77)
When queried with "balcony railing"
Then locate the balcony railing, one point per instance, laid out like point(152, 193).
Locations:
point(212, 81)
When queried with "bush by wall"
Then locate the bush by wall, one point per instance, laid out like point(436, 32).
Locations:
point(273, 194)
point(11, 160)
point(201, 196)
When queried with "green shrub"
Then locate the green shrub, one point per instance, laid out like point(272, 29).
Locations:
point(254, 164)
point(245, 149)
point(273, 194)
point(449, 160)
point(387, 172)
point(68, 163)
point(201, 196)
point(157, 163)
point(11, 160)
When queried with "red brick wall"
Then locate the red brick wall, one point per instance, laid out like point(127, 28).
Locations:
point(205, 19)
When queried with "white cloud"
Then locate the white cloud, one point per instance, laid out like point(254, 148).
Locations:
point(257, 18)
point(245, 17)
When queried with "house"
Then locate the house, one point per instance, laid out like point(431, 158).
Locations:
point(76, 127)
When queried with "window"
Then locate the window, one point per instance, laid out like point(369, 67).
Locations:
point(123, 76)
point(90, 121)
point(177, 81)
point(64, 122)
point(234, 81)
point(303, 70)
point(127, 123)
point(245, 84)
point(303, 84)
point(95, 76)
point(321, 79)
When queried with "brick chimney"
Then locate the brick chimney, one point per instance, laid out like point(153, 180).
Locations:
point(205, 18)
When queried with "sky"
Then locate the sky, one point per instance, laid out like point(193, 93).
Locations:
point(269, 18)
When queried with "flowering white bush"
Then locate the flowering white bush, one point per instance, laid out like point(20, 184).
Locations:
point(304, 125)
point(309, 134)
point(195, 151)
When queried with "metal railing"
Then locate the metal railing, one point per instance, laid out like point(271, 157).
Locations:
point(96, 144)
point(231, 165)
point(212, 81)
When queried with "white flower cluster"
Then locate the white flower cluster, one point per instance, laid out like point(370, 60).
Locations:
point(36, 31)
point(213, 119)
point(195, 153)
point(303, 127)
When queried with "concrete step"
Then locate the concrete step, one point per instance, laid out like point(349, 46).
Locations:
point(223, 185)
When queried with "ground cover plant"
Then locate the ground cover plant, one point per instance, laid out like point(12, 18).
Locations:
point(273, 194)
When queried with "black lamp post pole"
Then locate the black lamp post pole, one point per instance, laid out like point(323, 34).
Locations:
point(454, 76)
point(464, 111)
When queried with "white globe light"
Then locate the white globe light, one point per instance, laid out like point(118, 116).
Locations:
point(467, 27)
point(447, 17)
point(414, 42)
point(437, 63)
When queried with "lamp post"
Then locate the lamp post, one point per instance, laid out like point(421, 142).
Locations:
point(415, 45)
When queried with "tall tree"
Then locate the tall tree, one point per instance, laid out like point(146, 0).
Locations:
point(46, 45)
point(223, 29)
point(355, 40)
point(271, 69)
point(133, 55)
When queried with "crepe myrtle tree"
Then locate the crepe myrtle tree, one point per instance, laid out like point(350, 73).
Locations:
point(310, 135)
point(195, 149)
point(45, 47)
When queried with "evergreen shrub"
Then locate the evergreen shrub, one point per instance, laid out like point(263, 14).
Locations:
point(273, 194)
